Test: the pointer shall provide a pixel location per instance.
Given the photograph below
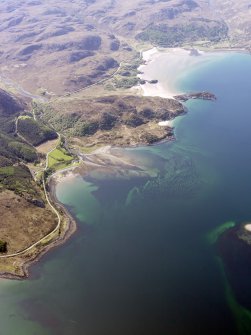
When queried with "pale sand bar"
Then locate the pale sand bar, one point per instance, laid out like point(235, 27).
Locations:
point(158, 89)
point(248, 227)
point(178, 62)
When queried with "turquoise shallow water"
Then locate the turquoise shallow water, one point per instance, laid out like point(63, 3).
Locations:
point(140, 262)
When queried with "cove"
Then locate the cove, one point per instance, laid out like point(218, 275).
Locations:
point(140, 262)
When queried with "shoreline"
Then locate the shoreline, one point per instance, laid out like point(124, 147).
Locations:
point(101, 158)
point(92, 160)
point(154, 90)
point(151, 55)
point(26, 261)
point(69, 224)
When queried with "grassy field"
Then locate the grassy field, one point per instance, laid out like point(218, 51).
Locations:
point(59, 159)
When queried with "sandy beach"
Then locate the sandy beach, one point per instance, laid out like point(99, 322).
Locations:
point(164, 88)
point(152, 55)
point(169, 67)
point(248, 227)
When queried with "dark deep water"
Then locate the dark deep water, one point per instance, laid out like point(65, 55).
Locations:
point(140, 262)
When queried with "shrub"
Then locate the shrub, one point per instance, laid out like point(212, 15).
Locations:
point(3, 246)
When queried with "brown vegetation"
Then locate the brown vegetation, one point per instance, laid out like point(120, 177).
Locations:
point(116, 120)
point(23, 222)
point(74, 43)
point(53, 49)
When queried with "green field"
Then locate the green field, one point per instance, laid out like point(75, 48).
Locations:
point(59, 159)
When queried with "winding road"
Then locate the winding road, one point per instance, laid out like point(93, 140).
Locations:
point(43, 239)
point(24, 93)
point(19, 253)
point(39, 98)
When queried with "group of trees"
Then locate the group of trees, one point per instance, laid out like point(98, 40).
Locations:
point(196, 30)
point(13, 149)
point(35, 132)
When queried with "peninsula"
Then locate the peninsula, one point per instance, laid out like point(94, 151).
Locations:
point(68, 74)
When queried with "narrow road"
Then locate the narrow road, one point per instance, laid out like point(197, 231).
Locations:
point(21, 252)
point(27, 94)
point(92, 85)
point(19, 89)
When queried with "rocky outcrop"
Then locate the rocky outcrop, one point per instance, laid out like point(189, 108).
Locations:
point(153, 81)
point(196, 95)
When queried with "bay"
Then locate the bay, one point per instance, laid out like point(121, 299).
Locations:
point(140, 262)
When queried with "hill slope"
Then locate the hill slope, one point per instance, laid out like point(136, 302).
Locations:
point(82, 41)
point(26, 217)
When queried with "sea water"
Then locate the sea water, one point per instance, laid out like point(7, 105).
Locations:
point(141, 261)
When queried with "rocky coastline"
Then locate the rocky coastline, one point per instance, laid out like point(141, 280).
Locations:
point(196, 95)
